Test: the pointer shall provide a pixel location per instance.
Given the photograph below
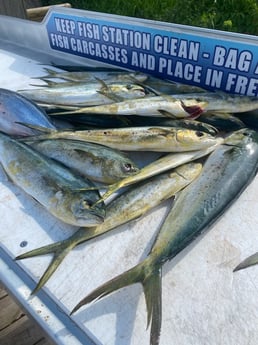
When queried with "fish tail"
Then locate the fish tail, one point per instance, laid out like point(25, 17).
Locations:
point(60, 251)
point(36, 85)
point(50, 73)
point(37, 127)
point(248, 262)
point(149, 276)
point(39, 251)
point(152, 292)
point(52, 267)
point(50, 83)
point(72, 111)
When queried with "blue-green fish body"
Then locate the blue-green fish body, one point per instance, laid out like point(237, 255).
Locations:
point(96, 162)
point(64, 194)
point(227, 171)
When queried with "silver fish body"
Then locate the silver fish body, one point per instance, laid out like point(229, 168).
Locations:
point(91, 76)
point(223, 103)
point(62, 193)
point(226, 173)
point(180, 107)
point(96, 162)
point(164, 163)
point(15, 108)
point(84, 94)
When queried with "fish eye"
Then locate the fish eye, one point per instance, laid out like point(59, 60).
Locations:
point(86, 204)
point(128, 167)
point(199, 134)
point(246, 133)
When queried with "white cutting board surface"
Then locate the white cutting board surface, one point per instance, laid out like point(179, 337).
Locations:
point(204, 302)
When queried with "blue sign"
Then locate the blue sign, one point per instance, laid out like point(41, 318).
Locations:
point(208, 62)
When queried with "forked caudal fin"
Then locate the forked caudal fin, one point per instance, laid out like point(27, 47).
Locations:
point(248, 262)
point(150, 277)
point(60, 251)
point(37, 127)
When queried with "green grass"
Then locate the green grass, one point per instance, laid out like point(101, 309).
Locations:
point(229, 15)
point(149, 9)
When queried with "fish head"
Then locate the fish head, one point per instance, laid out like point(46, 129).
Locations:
point(87, 212)
point(128, 90)
point(121, 168)
point(79, 207)
point(237, 137)
point(140, 77)
point(194, 139)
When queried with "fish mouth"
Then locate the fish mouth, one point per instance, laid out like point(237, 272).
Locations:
point(93, 219)
point(88, 214)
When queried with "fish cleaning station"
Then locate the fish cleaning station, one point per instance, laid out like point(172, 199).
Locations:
point(186, 292)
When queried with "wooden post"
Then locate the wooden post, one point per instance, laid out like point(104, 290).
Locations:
point(13, 8)
point(32, 3)
point(38, 13)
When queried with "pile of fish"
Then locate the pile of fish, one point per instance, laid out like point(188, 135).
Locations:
point(208, 155)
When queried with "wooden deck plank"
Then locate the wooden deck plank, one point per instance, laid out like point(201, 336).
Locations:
point(15, 326)
point(10, 312)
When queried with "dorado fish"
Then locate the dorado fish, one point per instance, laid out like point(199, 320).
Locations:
point(92, 121)
point(127, 207)
point(15, 108)
point(91, 76)
point(169, 161)
point(84, 94)
point(160, 139)
point(149, 106)
point(223, 103)
point(160, 85)
point(61, 192)
point(226, 173)
point(168, 122)
point(222, 121)
point(96, 162)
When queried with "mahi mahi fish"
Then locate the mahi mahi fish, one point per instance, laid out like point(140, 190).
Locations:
point(128, 206)
point(149, 106)
point(226, 173)
point(62, 193)
point(96, 162)
point(146, 138)
point(84, 94)
point(91, 75)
